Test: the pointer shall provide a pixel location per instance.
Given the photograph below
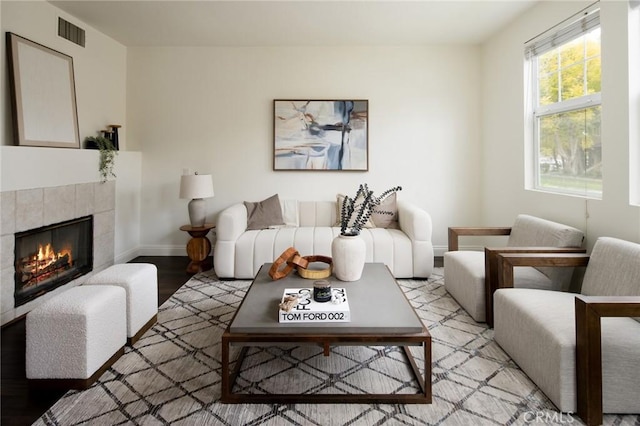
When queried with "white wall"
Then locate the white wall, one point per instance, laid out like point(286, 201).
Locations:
point(634, 101)
point(100, 71)
point(446, 123)
point(99, 67)
point(503, 152)
point(210, 110)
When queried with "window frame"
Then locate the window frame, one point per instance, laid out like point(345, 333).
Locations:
point(567, 31)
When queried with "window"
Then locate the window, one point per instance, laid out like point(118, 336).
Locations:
point(565, 107)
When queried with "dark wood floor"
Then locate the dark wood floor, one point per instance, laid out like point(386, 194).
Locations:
point(19, 406)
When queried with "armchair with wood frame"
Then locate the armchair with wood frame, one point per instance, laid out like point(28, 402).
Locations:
point(582, 350)
point(471, 278)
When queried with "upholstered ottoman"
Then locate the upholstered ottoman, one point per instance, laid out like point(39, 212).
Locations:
point(140, 280)
point(75, 336)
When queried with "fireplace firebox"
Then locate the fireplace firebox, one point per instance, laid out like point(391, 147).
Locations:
point(51, 256)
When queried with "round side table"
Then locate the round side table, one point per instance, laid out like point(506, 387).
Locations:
point(198, 247)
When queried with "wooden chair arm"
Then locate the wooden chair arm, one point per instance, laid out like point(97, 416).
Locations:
point(588, 311)
point(455, 232)
point(506, 263)
point(534, 250)
point(492, 269)
point(611, 306)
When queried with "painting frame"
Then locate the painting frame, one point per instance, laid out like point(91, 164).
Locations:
point(43, 95)
point(321, 135)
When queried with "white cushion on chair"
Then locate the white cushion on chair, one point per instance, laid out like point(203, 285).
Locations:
point(534, 231)
point(464, 280)
point(614, 269)
point(537, 329)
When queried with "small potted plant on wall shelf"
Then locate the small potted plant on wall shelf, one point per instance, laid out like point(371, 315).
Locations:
point(108, 153)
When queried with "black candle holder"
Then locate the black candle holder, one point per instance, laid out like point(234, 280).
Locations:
point(322, 291)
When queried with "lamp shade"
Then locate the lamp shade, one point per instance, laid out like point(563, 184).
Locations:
point(196, 186)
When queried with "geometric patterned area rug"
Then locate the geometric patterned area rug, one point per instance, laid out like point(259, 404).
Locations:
point(172, 375)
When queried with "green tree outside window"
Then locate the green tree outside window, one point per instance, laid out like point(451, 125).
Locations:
point(568, 116)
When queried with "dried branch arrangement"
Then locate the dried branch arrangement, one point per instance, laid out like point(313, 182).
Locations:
point(356, 211)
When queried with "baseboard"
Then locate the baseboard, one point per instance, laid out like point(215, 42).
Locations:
point(168, 250)
point(441, 250)
point(127, 256)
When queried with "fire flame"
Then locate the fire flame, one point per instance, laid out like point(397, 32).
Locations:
point(47, 255)
point(44, 263)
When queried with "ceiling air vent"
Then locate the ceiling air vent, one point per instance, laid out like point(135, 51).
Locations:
point(71, 32)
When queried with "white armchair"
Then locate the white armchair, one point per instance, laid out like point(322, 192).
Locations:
point(470, 276)
point(581, 350)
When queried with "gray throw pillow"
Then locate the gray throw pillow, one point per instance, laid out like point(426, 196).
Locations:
point(265, 213)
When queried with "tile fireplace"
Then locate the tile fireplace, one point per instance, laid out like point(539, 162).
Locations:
point(62, 258)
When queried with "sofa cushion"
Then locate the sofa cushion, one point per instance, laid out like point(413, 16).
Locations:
point(382, 220)
point(290, 214)
point(317, 213)
point(256, 247)
point(265, 213)
point(339, 202)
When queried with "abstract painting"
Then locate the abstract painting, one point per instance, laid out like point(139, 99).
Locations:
point(320, 135)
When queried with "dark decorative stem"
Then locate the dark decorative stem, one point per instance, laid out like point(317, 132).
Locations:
point(363, 210)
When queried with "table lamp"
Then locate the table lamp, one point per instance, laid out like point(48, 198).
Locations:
point(197, 187)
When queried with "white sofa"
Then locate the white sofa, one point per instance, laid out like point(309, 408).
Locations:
point(239, 253)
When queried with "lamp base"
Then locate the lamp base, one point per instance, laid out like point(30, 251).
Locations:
point(197, 212)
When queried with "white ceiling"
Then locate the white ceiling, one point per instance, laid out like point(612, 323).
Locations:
point(295, 23)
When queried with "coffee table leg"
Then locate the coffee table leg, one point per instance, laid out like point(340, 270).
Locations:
point(424, 381)
point(226, 387)
point(229, 378)
point(427, 369)
point(236, 369)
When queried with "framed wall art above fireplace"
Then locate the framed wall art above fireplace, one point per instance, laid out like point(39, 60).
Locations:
point(320, 134)
point(43, 95)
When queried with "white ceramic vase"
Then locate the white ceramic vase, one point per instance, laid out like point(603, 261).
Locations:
point(348, 253)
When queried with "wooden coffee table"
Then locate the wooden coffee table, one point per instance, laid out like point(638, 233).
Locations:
point(381, 315)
